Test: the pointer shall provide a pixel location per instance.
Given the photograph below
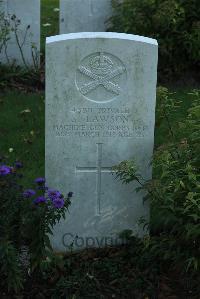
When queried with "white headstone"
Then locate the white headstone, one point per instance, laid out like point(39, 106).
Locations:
point(84, 15)
point(23, 15)
point(100, 109)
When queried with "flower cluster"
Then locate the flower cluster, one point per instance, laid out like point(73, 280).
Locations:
point(50, 196)
point(41, 194)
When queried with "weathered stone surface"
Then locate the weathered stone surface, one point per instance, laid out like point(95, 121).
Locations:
point(100, 108)
point(23, 15)
point(84, 15)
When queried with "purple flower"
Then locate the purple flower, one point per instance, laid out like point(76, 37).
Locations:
point(58, 203)
point(70, 194)
point(18, 164)
point(4, 170)
point(53, 194)
point(40, 199)
point(40, 181)
point(29, 193)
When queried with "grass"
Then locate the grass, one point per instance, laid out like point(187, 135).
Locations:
point(49, 16)
point(22, 129)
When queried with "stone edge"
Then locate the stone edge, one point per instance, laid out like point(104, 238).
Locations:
point(111, 35)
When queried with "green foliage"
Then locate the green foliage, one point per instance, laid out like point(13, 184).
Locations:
point(10, 272)
point(12, 76)
point(174, 192)
point(10, 213)
point(10, 206)
point(174, 23)
point(110, 273)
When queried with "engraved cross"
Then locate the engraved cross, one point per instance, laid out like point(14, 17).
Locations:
point(98, 170)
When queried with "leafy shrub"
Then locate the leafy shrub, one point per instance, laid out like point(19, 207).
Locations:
point(26, 218)
point(174, 192)
point(174, 23)
point(10, 215)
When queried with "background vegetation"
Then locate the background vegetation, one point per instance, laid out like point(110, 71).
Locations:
point(174, 23)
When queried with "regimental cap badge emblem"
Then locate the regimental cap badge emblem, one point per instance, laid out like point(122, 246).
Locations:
point(100, 77)
point(101, 64)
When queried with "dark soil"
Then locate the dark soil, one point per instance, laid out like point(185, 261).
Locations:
point(109, 273)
